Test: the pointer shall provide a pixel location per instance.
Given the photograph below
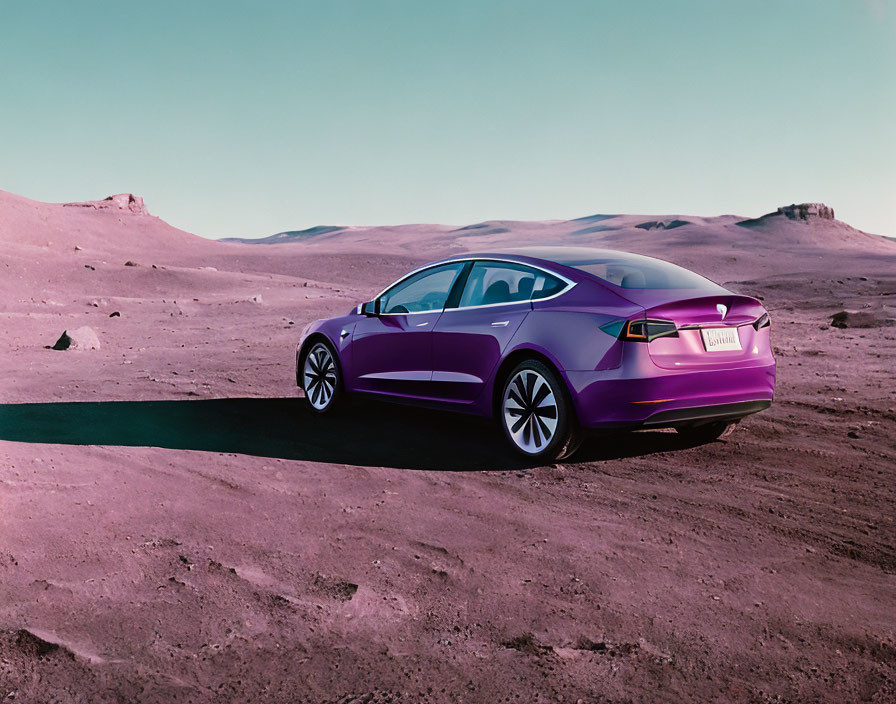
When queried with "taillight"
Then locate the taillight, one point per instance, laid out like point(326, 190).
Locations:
point(647, 330)
point(762, 321)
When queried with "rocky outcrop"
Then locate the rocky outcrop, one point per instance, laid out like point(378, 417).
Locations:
point(804, 211)
point(661, 224)
point(120, 201)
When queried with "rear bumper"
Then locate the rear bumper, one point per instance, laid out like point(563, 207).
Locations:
point(667, 398)
point(696, 414)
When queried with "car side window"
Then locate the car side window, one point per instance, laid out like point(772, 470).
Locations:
point(425, 291)
point(491, 283)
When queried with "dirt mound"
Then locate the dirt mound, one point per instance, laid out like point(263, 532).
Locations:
point(35, 646)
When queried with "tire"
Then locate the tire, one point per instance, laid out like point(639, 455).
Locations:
point(551, 432)
point(322, 378)
point(706, 432)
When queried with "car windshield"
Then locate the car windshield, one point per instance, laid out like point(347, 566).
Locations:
point(633, 271)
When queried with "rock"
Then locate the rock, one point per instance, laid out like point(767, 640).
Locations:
point(83, 338)
point(120, 201)
point(256, 299)
point(128, 201)
point(861, 319)
point(853, 434)
point(804, 211)
point(130, 263)
point(661, 224)
point(92, 268)
point(77, 248)
point(114, 314)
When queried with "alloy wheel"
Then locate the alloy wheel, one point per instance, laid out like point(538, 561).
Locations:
point(319, 376)
point(530, 411)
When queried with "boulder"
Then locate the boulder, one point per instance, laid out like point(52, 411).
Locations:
point(128, 201)
point(83, 338)
point(860, 319)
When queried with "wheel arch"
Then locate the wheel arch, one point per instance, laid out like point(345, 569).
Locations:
point(510, 362)
point(306, 346)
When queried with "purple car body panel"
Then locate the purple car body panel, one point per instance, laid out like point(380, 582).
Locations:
point(468, 346)
point(392, 354)
point(452, 358)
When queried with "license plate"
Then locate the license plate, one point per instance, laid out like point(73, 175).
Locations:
point(720, 339)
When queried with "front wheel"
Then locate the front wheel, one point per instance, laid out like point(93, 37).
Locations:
point(321, 378)
point(536, 414)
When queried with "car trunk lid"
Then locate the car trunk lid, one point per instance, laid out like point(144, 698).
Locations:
point(713, 330)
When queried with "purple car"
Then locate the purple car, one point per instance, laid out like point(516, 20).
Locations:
point(551, 341)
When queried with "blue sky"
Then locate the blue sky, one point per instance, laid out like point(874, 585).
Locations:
point(249, 118)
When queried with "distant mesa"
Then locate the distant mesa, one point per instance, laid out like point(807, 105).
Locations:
point(120, 201)
point(798, 212)
point(804, 211)
point(662, 224)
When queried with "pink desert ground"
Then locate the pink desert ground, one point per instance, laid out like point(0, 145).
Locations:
point(174, 526)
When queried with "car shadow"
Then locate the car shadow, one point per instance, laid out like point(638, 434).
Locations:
point(365, 434)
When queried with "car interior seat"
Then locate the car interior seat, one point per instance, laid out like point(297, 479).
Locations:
point(497, 292)
point(633, 279)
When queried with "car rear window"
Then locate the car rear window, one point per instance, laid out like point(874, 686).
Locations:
point(633, 271)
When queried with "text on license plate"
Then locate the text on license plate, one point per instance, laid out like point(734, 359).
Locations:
point(720, 339)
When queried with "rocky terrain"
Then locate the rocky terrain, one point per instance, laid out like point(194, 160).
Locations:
point(175, 526)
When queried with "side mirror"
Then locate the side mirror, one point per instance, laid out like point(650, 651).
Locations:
point(368, 309)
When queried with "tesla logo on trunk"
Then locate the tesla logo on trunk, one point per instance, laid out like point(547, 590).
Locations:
point(723, 310)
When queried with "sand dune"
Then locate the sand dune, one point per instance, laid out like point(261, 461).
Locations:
point(175, 526)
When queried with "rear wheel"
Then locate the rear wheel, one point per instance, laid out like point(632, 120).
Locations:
point(321, 378)
point(536, 414)
point(706, 432)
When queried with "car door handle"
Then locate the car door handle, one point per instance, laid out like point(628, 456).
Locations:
point(420, 325)
point(500, 323)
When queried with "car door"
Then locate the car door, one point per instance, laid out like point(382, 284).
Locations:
point(392, 349)
point(469, 339)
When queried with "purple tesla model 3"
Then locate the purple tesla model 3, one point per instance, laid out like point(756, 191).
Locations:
point(551, 341)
